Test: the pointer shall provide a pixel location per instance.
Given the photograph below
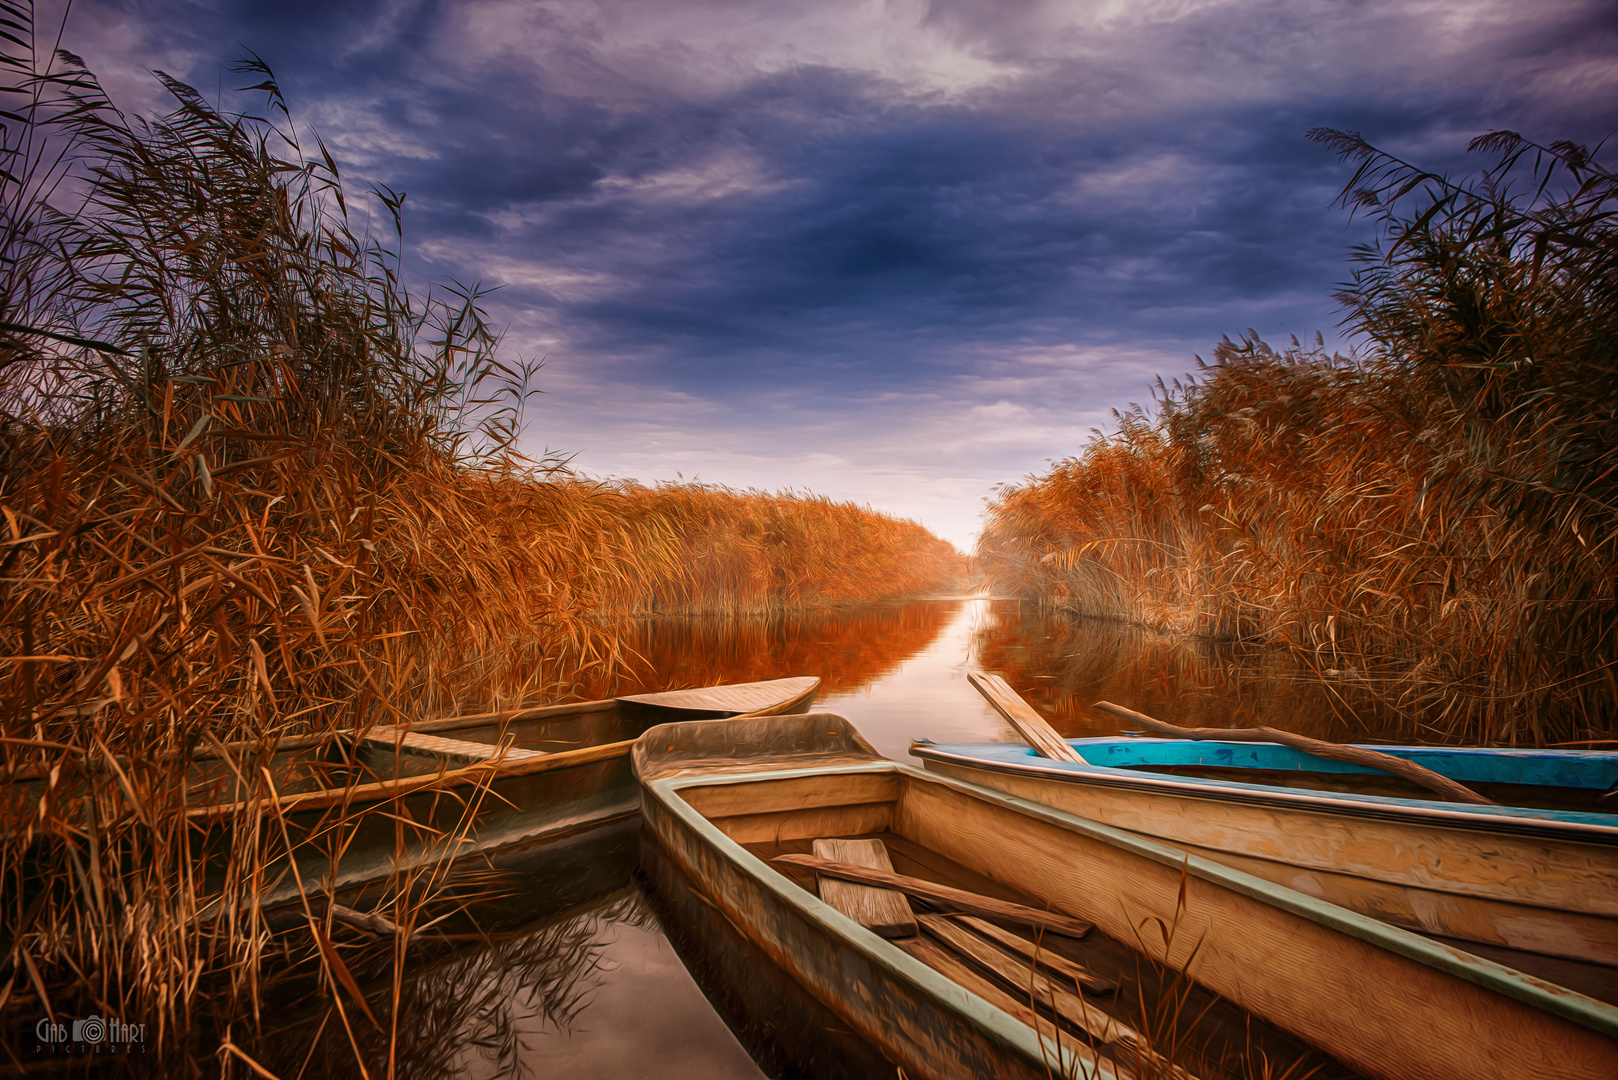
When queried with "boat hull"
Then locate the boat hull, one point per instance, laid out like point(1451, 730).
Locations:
point(449, 787)
point(1382, 1001)
point(423, 828)
point(787, 1031)
point(1495, 879)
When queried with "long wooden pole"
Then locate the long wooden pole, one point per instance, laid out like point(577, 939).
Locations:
point(1355, 755)
point(933, 892)
point(1034, 729)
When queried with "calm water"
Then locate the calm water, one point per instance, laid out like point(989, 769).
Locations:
point(589, 980)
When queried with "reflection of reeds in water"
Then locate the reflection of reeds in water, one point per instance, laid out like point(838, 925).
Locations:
point(469, 1007)
point(1064, 664)
point(846, 648)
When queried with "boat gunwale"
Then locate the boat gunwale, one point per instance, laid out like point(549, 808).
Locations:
point(1407, 751)
point(513, 716)
point(1569, 825)
point(490, 770)
point(493, 721)
point(1553, 999)
point(545, 712)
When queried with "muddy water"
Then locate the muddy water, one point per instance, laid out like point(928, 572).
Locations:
point(595, 987)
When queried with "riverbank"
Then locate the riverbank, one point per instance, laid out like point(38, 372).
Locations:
point(150, 618)
point(1433, 521)
point(254, 490)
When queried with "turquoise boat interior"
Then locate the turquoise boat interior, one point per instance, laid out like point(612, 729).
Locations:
point(1563, 785)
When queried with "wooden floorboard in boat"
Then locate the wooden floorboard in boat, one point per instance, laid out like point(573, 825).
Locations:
point(884, 910)
point(1219, 1040)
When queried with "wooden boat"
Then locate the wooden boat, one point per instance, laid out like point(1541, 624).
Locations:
point(1538, 881)
point(450, 785)
point(735, 806)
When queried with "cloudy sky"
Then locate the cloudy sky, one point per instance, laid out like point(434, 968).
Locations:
point(892, 252)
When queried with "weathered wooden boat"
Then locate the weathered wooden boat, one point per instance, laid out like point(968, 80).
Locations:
point(1527, 878)
point(736, 806)
point(449, 785)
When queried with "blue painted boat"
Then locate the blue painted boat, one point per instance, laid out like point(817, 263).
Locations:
point(1538, 879)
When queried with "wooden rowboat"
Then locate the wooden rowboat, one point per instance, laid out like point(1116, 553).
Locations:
point(1539, 881)
point(458, 784)
point(735, 807)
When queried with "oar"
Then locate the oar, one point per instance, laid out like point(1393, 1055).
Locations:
point(1355, 755)
point(1029, 724)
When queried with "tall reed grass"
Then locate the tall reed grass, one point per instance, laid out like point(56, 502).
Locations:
point(1433, 519)
point(255, 488)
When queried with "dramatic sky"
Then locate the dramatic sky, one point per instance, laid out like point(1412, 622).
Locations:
point(893, 252)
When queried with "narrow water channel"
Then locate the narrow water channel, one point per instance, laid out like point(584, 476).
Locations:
point(590, 981)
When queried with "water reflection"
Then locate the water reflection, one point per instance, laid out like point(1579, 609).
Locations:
point(1065, 664)
point(899, 671)
point(848, 648)
point(926, 695)
point(565, 973)
point(643, 1016)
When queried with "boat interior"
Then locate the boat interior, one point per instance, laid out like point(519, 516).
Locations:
point(1187, 968)
point(1544, 780)
point(1587, 800)
point(1125, 995)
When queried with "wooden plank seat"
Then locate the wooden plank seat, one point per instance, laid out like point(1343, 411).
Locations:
point(885, 911)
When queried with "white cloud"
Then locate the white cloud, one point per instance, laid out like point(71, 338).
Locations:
point(616, 53)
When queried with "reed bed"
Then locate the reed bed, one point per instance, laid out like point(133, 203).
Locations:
point(746, 551)
point(1431, 521)
point(254, 489)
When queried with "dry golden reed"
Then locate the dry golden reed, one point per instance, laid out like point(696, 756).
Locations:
point(253, 489)
point(1434, 521)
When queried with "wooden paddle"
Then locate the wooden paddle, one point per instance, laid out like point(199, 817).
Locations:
point(1355, 755)
point(1036, 732)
